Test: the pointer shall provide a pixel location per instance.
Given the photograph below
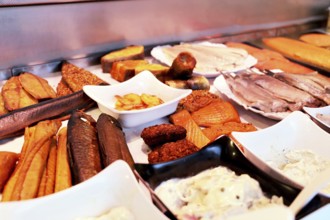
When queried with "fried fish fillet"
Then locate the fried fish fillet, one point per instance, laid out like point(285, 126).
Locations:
point(77, 77)
point(15, 96)
point(63, 88)
point(36, 86)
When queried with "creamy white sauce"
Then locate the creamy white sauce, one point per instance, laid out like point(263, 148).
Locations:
point(117, 213)
point(213, 194)
point(302, 166)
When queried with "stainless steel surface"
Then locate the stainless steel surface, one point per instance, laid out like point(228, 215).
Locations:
point(37, 34)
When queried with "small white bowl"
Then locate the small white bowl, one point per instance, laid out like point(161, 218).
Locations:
point(115, 186)
point(296, 131)
point(144, 82)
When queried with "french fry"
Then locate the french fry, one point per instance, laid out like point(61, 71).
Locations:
point(63, 173)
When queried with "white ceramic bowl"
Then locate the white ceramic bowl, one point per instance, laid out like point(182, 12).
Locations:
point(115, 186)
point(144, 82)
point(296, 131)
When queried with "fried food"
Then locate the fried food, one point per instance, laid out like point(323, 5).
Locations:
point(83, 147)
point(47, 183)
point(7, 165)
point(171, 151)
point(63, 88)
point(194, 132)
point(196, 100)
point(215, 113)
point(3, 109)
point(36, 86)
point(226, 128)
point(182, 66)
point(160, 134)
point(132, 101)
point(63, 174)
point(77, 77)
point(14, 95)
point(24, 182)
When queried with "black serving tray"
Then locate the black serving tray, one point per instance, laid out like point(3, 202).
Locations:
point(224, 152)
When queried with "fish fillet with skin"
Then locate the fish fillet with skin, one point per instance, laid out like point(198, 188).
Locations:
point(305, 83)
point(284, 91)
point(254, 96)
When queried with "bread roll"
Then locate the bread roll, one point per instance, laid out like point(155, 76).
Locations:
point(320, 40)
point(300, 51)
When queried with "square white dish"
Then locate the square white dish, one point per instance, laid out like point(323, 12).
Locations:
point(144, 82)
point(295, 132)
point(115, 186)
point(313, 112)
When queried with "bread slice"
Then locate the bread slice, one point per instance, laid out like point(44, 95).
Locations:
point(129, 53)
point(124, 70)
point(158, 70)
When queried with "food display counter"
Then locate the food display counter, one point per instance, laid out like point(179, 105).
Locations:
point(227, 54)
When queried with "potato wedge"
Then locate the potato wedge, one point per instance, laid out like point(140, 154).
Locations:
point(3, 109)
point(25, 181)
point(36, 86)
point(7, 164)
point(63, 173)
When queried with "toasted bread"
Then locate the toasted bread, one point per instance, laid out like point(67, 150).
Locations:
point(128, 53)
point(124, 70)
point(158, 70)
